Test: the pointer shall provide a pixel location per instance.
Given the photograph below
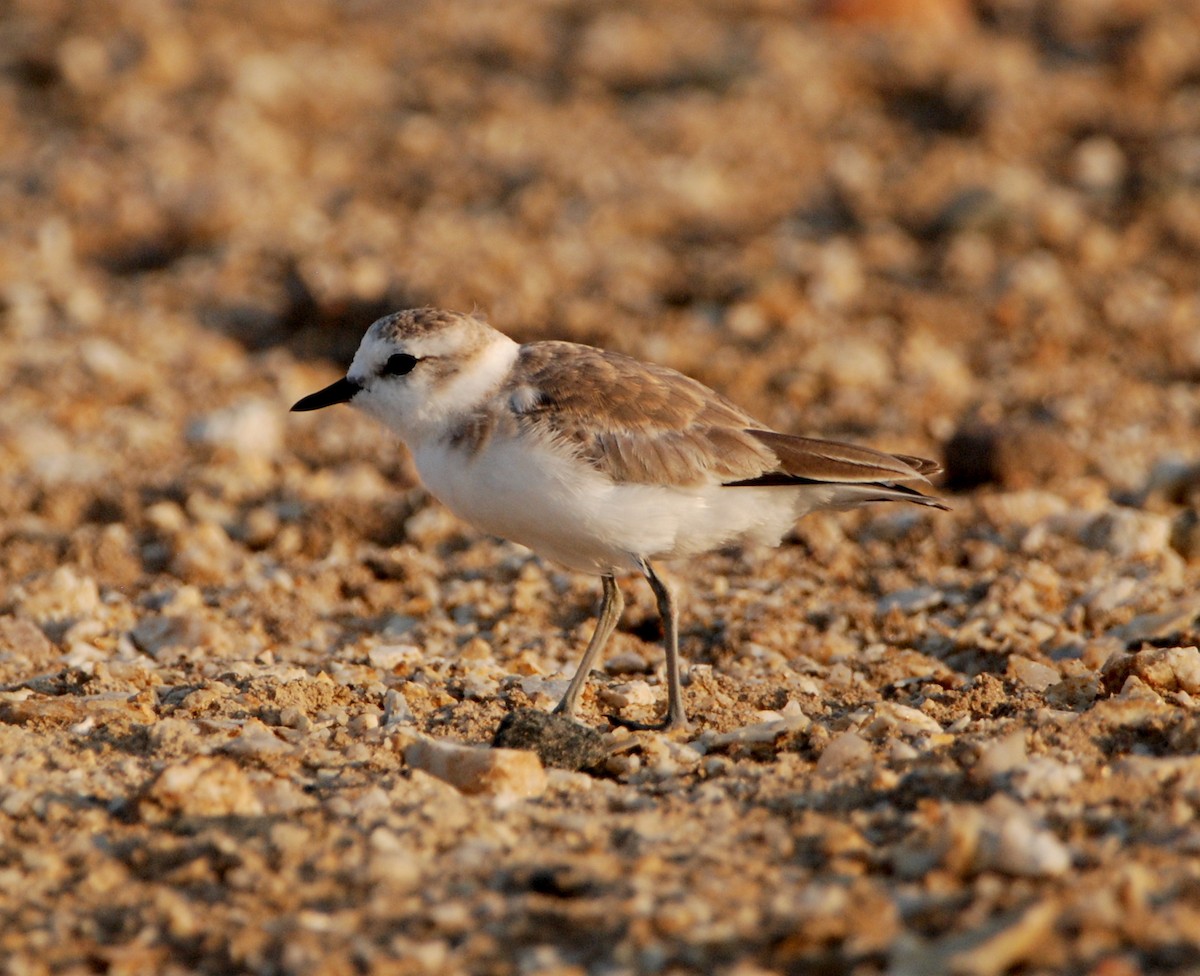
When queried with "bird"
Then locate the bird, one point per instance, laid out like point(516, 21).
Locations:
point(598, 461)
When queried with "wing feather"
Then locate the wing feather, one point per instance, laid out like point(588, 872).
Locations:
point(642, 423)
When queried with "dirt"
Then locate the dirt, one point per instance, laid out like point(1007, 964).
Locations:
point(250, 672)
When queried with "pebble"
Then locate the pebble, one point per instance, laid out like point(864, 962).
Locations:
point(59, 599)
point(1010, 841)
point(1032, 674)
point(206, 786)
point(393, 657)
point(252, 428)
point(892, 718)
point(504, 774)
point(23, 647)
point(790, 718)
point(558, 741)
point(911, 601)
point(1001, 756)
point(204, 554)
point(998, 945)
point(845, 752)
point(158, 633)
point(1163, 670)
point(1044, 777)
point(1127, 534)
point(625, 694)
point(257, 740)
point(396, 710)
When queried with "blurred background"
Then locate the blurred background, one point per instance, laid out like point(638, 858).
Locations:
point(906, 222)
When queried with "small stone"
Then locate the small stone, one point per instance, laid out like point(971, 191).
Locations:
point(911, 601)
point(1017, 455)
point(790, 718)
point(392, 657)
point(625, 694)
point(1032, 674)
point(1045, 778)
point(1127, 533)
point(1000, 757)
point(626, 662)
point(999, 945)
point(204, 554)
point(60, 599)
point(1010, 841)
point(256, 740)
point(892, 718)
point(24, 649)
point(1163, 670)
point(1098, 164)
point(845, 752)
point(201, 787)
point(159, 633)
point(396, 710)
point(506, 774)
point(1159, 626)
point(558, 741)
point(252, 428)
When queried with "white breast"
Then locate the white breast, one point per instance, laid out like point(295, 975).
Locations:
point(563, 509)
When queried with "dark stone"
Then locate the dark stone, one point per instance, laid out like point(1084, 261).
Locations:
point(558, 741)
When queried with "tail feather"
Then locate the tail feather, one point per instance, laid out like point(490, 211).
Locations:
point(857, 474)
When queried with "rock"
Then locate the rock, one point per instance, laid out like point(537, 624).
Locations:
point(159, 633)
point(1011, 842)
point(845, 752)
point(251, 428)
point(997, 946)
point(625, 694)
point(506, 774)
point(204, 554)
point(1127, 533)
point(396, 710)
point(1018, 454)
point(1160, 625)
point(24, 649)
point(60, 599)
point(1000, 756)
point(892, 718)
point(216, 787)
point(558, 741)
point(257, 740)
point(790, 718)
point(1032, 674)
point(393, 657)
point(1044, 778)
point(911, 601)
point(1164, 669)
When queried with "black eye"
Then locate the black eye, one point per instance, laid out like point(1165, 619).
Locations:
point(398, 365)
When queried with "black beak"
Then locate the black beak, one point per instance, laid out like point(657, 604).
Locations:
point(337, 392)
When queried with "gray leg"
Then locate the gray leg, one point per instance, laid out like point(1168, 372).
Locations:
point(676, 713)
point(610, 612)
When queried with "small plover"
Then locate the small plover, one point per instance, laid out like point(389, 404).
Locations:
point(597, 461)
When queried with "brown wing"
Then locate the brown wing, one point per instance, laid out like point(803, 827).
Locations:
point(646, 424)
point(637, 422)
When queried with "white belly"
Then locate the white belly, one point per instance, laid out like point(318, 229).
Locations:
point(576, 516)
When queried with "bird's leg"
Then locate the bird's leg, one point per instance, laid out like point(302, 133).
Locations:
point(610, 612)
point(676, 713)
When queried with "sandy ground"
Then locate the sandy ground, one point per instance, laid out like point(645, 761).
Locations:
point(238, 647)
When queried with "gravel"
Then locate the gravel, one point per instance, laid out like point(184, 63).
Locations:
point(250, 673)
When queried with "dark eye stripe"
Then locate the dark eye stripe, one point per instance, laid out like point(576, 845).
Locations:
point(398, 364)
